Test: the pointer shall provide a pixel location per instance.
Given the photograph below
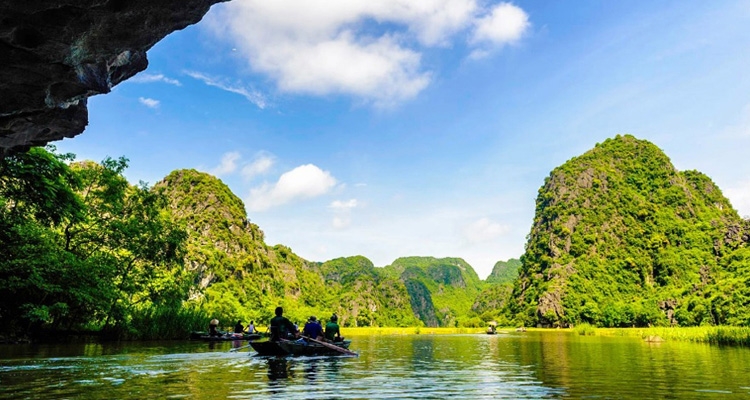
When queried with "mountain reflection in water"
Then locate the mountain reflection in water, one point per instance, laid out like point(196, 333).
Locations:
point(529, 365)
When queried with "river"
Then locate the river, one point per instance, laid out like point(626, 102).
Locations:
point(530, 365)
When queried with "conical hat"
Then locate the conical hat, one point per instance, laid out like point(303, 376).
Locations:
point(214, 321)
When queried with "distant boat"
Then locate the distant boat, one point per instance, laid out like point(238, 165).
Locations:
point(225, 337)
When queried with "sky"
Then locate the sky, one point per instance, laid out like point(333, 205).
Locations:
point(426, 127)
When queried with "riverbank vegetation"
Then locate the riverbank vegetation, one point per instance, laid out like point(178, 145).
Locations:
point(723, 335)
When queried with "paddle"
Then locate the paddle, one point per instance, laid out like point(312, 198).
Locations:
point(238, 348)
point(332, 347)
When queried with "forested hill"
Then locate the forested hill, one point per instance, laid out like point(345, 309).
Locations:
point(442, 291)
point(504, 271)
point(236, 275)
point(621, 238)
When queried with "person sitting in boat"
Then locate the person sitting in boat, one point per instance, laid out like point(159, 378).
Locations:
point(213, 328)
point(239, 328)
point(333, 332)
point(281, 327)
point(251, 327)
point(313, 329)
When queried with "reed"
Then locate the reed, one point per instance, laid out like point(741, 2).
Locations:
point(166, 323)
point(421, 330)
point(585, 329)
point(722, 335)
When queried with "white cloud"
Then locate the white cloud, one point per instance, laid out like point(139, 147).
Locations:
point(343, 209)
point(483, 230)
point(305, 181)
point(343, 205)
point(150, 103)
point(739, 196)
point(228, 164)
point(149, 78)
point(251, 95)
point(367, 49)
point(259, 166)
point(505, 24)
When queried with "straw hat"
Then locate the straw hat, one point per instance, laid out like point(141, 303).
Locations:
point(214, 321)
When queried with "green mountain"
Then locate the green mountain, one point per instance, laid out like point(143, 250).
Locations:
point(504, 271)
point(236, 275)
point(622, 238)
point(442, 291)
point(363, 295)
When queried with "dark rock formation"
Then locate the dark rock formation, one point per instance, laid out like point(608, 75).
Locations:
point(421, 302)
point(54, 54)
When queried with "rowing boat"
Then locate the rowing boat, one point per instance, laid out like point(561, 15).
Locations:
point(225, 337)
point(297, 348)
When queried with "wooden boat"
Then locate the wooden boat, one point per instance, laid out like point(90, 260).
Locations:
point(297, 348)
point(268, 348)
point(225, 337)
point(308, 348)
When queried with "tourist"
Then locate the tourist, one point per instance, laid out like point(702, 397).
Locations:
point(213, 328)
point(313, 329)
point(239, 328)
point(251, 327)
point(333, 332)
point(281, 327)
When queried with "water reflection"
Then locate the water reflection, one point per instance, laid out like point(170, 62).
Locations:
point(311, 371)
point(278, 368)
point(515, 365)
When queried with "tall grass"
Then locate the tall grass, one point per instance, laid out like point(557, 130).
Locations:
point(723, 335)
point(368, 331)
point(585, 329)
point(166, 323)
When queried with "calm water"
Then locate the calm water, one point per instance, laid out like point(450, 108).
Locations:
point(514, 366)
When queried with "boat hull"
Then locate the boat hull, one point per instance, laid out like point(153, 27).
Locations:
point(295, 348)
point(304, 348)
point(268, 348)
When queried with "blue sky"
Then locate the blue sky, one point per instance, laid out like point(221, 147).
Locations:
point(425, 128)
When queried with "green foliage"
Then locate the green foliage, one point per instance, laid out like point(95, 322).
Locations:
point(82, 248)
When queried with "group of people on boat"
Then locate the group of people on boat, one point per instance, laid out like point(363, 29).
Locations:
point(282, 328)
point(213, 328)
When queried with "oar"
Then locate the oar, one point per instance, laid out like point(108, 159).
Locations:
point(332, 347)
point(239, 348)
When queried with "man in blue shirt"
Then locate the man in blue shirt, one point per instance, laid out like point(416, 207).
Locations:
point(313, 329)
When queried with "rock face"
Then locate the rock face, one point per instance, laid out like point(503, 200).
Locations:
point(54, 54)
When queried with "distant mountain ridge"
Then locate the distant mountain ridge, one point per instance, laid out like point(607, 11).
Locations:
point(238, 276)
point(442, 291)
